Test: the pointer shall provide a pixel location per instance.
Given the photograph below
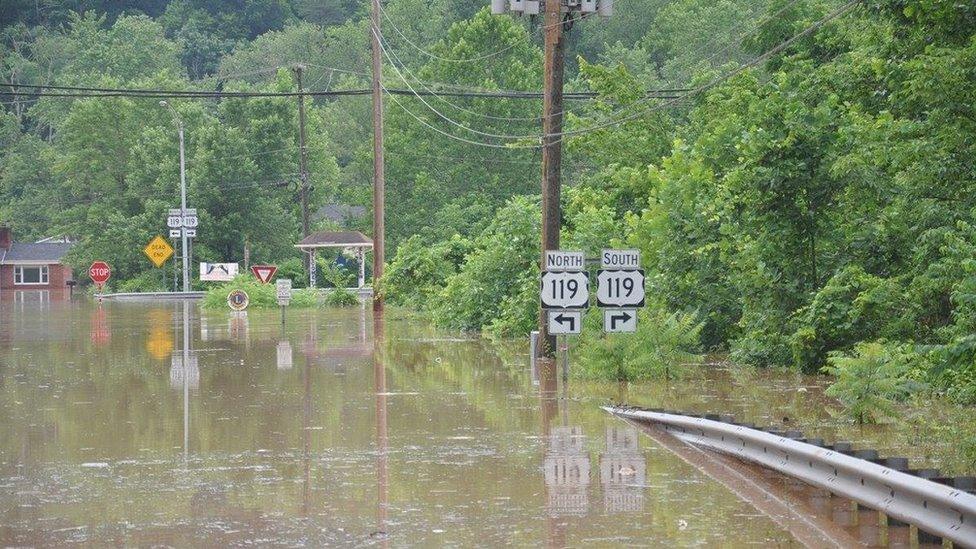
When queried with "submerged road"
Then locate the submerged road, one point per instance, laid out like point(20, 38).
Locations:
point(342, 429)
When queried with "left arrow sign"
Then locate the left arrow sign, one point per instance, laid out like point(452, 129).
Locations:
point(565, 322)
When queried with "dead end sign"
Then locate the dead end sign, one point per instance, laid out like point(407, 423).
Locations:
point(264, 273)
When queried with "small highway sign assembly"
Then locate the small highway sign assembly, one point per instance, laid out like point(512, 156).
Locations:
point(158, 251)
point(565, 322)
point(620, 288)
point(264, 273)
point(180, 222)
point(564, 291)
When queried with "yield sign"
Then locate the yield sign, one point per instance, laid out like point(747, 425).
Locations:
point(264, 273)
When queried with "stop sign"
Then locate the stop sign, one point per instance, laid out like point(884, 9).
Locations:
point(99, 273)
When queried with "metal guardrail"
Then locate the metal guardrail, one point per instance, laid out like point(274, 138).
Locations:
point(151, 296)
point(935, 508)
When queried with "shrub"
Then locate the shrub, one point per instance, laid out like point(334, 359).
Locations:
point(499, 278)
point(259, 295)
point(871, 379)
point(663, 346)
point(341, 297)
point(419, 270)
point(853, 306)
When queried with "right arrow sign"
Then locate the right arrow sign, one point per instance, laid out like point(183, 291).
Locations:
point(619, 320)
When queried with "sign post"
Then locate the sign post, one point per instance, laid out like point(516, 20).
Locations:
point(620, 289)
point(99, 273)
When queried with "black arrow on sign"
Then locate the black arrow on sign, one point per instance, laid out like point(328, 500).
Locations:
point(563, 319)
point(622, 317)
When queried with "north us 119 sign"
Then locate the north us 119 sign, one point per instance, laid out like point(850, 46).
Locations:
point(564, 290)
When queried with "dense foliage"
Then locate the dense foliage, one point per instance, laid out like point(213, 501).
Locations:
point(813, 207)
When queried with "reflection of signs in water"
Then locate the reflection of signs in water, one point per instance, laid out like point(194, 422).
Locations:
point(284, 355)
point(178, 373)
point(101, 334)
point(567, 471)
point(238, 326)
point(623, 471)
point(160, 341)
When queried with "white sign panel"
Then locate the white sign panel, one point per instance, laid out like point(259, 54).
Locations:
point(558, 260)
point(564, 290)
point(190, 221)
point(218, 272)
point(174, 222)
point(619, 320)
point(620, 288)
point(174, 233)
point(620, 259)
point(190, 233)
point(565, 322)
point(175, 211)
point(283, 290)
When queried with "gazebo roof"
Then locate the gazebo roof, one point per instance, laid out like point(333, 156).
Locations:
point(335, 239)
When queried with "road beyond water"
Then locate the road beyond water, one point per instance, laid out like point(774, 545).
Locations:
point(332, 430)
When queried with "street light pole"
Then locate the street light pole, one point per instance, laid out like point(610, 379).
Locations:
point(186, 259)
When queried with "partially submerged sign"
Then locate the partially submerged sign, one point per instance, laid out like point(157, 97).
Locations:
point(218, 272)
point(238, 300)
point(158, 251)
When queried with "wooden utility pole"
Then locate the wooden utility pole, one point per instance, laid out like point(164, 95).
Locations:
point(379, 198)
point(303, 159)
point(552, 127)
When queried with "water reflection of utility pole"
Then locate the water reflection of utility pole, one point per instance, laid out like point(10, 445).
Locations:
point(186, 379)
point(306, 436)
point(382, 439)
point(623, 471)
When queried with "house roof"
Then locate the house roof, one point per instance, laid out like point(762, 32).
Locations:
point(36, 252)
point(339, 213)
point(335, 239)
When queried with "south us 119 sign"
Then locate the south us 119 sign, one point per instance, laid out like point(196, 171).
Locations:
point(619, 288)
point(564, 290)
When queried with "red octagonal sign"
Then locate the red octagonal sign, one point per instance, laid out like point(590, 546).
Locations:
point(99, 273)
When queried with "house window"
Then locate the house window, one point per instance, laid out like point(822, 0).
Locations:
point(30, 274)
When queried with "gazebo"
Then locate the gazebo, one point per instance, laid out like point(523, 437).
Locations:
point(354, 241)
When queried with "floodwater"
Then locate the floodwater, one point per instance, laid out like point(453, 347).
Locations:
point(336, 429)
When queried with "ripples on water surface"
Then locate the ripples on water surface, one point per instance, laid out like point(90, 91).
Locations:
point(310, 434)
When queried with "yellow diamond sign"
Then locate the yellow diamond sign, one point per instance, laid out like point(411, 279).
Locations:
point(158, 251)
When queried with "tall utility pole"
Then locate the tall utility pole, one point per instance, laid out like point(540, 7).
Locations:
point(552, 117)
point(552, 149)
point(302, 152)
point(379, 175)
point(183, 213)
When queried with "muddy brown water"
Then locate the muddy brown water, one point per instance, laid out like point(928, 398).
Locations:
point(340, 430)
